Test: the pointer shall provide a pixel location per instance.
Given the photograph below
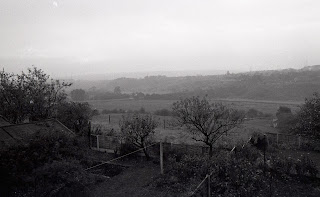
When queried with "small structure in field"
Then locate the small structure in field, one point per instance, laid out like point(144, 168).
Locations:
point(22, 133)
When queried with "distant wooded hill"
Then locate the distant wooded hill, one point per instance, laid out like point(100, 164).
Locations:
point(288, 84)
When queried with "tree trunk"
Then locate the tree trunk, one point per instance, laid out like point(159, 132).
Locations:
point(146, 153)
point(210, 151)
point(89, 134)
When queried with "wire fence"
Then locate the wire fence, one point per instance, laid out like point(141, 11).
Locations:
point(158, 149)
point(112, 144)
point(204, 187)
point(118, 158)
point(292, 141)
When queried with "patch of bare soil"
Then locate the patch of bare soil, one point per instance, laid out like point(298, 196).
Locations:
point(133, 181)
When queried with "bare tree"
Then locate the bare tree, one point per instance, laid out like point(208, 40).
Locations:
point(207, 122)
point(138, 130)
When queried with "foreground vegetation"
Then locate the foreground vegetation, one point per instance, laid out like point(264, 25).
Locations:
point(52, 164)
point(241, 173)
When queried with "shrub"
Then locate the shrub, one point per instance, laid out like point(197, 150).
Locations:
point(254, 113)
point(95, 112)
point(182, 171)
point(67, 175)
point(48, 162)
point(236, 175)
point(306, 166)
point(285, 165)
point(163, 112)
point(302, 167)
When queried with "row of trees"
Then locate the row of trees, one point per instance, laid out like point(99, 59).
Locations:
point(82, 95)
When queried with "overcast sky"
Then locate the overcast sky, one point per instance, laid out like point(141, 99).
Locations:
point(67, 37)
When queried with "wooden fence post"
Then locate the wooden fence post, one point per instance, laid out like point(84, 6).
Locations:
point(90, 142)
point(109, 119)
point(277, 139)
point(161, 157)
point(209, 183)
point(97, 141)
point(299, 141)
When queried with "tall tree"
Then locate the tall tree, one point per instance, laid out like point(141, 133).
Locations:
point(286, 119)
point(75, 116)
point(78, 95)
point(138, 130)
point(206, 122)
point(309, 117)
point(32, 94)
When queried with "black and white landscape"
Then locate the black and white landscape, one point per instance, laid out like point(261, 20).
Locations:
point(159, 98)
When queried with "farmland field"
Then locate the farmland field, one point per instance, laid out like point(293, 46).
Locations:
point(168, 130)
point(153, 105)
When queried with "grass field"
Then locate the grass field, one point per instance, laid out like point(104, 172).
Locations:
point(172, 132)
point(153, 105)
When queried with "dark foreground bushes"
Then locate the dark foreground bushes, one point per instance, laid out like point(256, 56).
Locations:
point(50, 164)
point(241, 173)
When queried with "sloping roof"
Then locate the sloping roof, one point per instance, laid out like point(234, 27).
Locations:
point(3, 121)
point(10, 134)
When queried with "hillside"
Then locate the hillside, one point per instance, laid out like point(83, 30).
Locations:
point(287, 84)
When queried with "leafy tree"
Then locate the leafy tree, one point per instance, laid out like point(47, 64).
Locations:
point(286, 120)
point(78, 95)
point(32, 94)
point(117, 90)
point(207, 122)
point(75, 116)
point(138, 130)
point(309, 117)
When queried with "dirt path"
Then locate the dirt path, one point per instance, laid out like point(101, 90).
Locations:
point(133, 181)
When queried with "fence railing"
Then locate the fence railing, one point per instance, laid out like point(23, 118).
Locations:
point(295, 141)
point(111, 144)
